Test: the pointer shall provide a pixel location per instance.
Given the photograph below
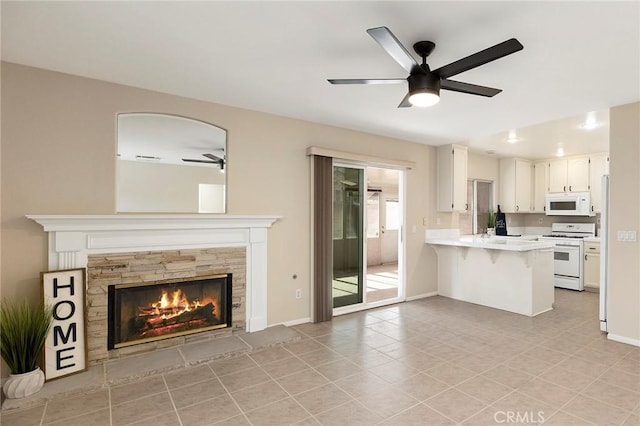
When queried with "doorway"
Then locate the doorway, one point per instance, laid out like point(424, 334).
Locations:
point(368, 218)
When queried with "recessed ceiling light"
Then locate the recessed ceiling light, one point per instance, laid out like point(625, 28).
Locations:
point(490, 152)
point(590, 122)
point(560, 152)
point(513, 137)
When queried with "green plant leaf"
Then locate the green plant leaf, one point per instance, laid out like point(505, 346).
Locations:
point(23, 332)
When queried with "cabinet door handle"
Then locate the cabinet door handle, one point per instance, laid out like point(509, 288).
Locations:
point(564, 188)
point(517, 208)
point(569, 187)
point(585, 257)
point(466, 206)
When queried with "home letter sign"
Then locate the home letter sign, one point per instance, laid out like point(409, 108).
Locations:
point(65, 349)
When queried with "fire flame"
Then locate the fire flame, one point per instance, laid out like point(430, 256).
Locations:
point(169, 306)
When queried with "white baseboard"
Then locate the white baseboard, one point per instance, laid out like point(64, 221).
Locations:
point(422, 296)
point(293, 322)
point(622, 339)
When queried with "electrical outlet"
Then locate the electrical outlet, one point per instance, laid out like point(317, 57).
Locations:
point(438, 221)
point(298, 293)
point(425, 221)
point(540, 221)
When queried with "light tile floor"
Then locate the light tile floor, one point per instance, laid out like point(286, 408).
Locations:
point(434, 361)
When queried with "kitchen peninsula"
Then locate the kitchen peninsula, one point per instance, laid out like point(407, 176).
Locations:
point(511, 274)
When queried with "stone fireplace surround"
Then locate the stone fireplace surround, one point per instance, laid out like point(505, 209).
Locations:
point(218, 241)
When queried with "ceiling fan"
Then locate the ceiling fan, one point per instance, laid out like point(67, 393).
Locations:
point(212, 159)
point(425, 84)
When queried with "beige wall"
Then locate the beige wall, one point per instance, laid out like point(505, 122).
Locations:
point(624, 257)
point(58, 157)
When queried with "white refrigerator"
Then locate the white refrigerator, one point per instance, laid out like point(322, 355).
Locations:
point(604, 253)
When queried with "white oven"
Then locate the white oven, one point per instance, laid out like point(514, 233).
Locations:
point(567, 264)
point(568, 268)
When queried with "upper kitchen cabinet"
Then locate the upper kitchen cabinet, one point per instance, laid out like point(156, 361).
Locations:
point(515, 185)
point(569, 175)
point(452, 178)
point(598, 166)
point(540, 185)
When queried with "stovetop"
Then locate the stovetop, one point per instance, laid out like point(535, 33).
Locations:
point(572, 230)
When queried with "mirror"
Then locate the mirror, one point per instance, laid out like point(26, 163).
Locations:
point(170, 164)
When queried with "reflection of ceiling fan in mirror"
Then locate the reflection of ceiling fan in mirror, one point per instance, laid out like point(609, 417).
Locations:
point(212, 159)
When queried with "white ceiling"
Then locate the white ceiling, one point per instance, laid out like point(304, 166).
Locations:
point(276, 57)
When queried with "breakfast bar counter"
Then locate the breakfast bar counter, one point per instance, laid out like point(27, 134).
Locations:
point(511, 274)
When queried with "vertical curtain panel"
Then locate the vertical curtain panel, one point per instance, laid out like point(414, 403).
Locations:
point(322, 238)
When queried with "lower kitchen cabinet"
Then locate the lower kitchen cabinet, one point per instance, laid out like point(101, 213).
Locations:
point(592, 265)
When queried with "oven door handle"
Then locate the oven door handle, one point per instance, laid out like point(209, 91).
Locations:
point(567, 245)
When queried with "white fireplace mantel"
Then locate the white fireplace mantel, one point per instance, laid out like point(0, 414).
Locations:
point(72, 238)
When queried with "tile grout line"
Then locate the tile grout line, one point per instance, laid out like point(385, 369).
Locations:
point(110, 406)
point(44, 412)
point(175, 409)
point(287, 392)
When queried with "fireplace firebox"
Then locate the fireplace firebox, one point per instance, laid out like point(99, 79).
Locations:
point(145, 312)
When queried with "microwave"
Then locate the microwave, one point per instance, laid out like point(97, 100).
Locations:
point(568, 204)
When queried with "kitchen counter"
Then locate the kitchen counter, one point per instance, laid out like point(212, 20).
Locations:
point(492, 243)
point(507, 273)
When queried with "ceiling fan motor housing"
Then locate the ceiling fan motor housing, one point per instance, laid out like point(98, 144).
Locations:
point(424, 82)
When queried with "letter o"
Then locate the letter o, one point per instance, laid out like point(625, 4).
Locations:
point(72, 309)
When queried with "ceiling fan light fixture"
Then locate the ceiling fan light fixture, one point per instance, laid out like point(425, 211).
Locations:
point(424, 99)
point(424, 89)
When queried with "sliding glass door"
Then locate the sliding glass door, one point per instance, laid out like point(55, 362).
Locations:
point(348, 235)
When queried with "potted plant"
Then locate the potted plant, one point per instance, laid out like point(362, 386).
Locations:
point(23, 332)
point(491, 222)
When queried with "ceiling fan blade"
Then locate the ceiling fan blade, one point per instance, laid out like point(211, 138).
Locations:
point(480, 58)
point(367, 80)
point(393, 47)
point(191, 160)
point(212, 157)
point(472, 89)
point(405, 102)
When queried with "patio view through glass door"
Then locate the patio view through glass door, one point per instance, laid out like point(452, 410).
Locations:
point(367, 246)
point(348, 226)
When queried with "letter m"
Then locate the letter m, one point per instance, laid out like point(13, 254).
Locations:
point(57, 332)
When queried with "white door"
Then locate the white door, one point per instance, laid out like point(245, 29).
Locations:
point(390, 227)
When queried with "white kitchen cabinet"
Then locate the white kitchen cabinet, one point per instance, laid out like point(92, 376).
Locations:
point(598, 166)
point(569, 175)
point(515, 185)
point(540, 185)
point(592, 264)
point(578, 174)
point(452, 178)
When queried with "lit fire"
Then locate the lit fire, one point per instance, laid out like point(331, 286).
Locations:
point(171, 305)
point(177, 301)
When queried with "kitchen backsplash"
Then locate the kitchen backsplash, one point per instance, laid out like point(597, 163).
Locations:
point(532, 223)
